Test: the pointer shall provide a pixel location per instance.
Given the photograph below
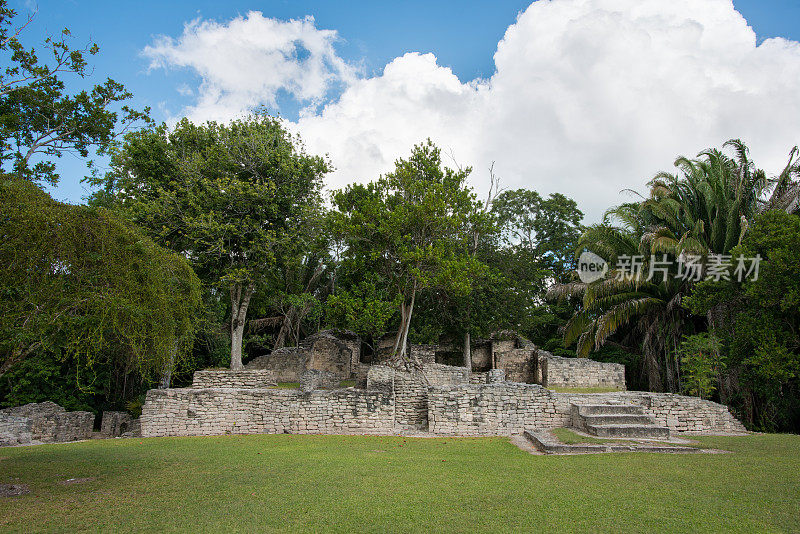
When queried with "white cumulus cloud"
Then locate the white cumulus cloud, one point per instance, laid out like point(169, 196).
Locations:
point(588, 97)
point(246, 62)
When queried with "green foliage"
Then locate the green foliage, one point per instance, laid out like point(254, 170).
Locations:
point(363, 308)
point(547, 229)
point(759, 320)
point(46, 377)
point(703, 209)
point(82, 284)
point(701, 365)
point(236, 199)
point(411, 228)
point(39, 120)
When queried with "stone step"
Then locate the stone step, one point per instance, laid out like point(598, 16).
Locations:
point(545, 443)
point(604, 409)
point(628, 431)
point(618, 419)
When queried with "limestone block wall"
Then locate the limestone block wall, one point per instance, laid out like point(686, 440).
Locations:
point(288, 364)
point(330, 355)
point(438, 374)
point(15, 430)
point(481, 355)
point(197, 412)
point(679, 413)
point(519, 364)
point(397, 401)
point(316, 379)
point(114, 424)
point(506, 408)
point(224, 378)
point(424, 353)
point(50, 423)
point(496, 409)
point(580, 372)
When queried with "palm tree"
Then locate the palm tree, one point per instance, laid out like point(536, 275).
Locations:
point(702, 209)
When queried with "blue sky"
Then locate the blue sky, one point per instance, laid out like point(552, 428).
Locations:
point(463, 36)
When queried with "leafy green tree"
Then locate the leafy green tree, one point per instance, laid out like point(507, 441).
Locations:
point(547, 230)
point(759, 324)
point(700, 356)
point(39, 118)
point(234, 199)
point(412, 227)
point(703, 209)
point(88, 287)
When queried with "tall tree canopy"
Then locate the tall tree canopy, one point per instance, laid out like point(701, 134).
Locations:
point(39, 119)
point(235, 199)
point(85, 285)
point(411, 231)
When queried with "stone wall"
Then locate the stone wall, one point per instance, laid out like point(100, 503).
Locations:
point(323, 351)
point(316, 379)
point(115, 424)
point(398, 401)
point(496, 409)
point(197, 412)
point(424, 353)
point(288, 364)
point(440, 375)
point(49, 423)
point(327, 353)
point(507, 408)
point(15, 430)
point(223, 378)
point(556, 371)
point(519, 364)
point(679, 413)
point(481, 355)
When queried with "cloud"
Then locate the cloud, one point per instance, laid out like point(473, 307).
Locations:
point(248, 61)
point(589, 96)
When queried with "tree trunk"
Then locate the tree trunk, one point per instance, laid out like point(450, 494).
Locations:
point(467, 351)
point(653, 372)
point(401, 341)
point(166, 374)
point(240, 300)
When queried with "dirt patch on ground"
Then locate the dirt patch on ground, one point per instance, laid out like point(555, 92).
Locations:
point(71, 481)
point(12, 490)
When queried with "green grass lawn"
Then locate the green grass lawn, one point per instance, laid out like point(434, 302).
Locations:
point(380, 484)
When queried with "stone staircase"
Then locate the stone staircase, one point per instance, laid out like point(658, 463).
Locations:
point(616, 421)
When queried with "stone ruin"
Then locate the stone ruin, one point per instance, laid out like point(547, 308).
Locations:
point(436, 399)
point(43, 422)
point(119, 425)
point(524, 362)
point(337, 352)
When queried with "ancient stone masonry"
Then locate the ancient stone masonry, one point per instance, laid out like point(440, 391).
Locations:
point(44, 422)
point(507, 408)
point(316, 379)
point(437, 398)
point(219, 378)
point(324, 351)
point(555, 371)
point(115, 424)
point(197, 412)
point(518, 364)
point(15, 430)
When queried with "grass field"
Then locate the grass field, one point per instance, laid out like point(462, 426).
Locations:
point(379, 484)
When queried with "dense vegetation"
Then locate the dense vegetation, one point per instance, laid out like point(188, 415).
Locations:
point(208, 244)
